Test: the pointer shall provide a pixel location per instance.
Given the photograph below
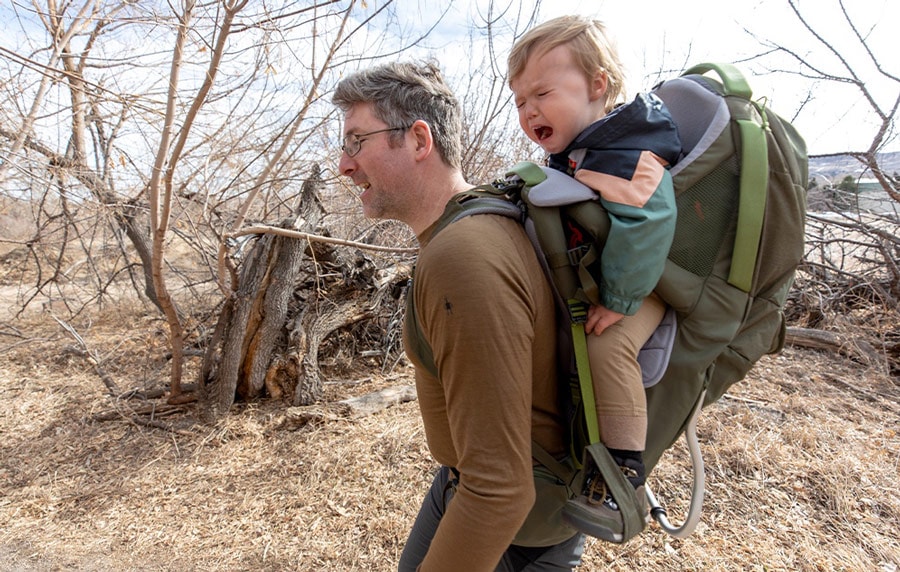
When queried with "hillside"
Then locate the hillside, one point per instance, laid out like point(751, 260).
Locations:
point(838, 166)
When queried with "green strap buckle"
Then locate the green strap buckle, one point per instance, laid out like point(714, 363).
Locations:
point(577, 311)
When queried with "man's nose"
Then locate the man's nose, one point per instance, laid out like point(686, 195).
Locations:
point(347, 165)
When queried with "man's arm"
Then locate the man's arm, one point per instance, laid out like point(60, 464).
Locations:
point(477, 309)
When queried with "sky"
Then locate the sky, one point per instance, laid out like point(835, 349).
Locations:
point(659, 38)
point(654, 35)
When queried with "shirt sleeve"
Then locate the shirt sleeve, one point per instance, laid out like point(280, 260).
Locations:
point(476, 307)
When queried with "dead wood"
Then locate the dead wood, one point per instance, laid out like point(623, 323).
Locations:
point(242, 322)
point(92, 357)
point(145, 394)
point(153, 410)
point(253, 319)
point(319, 325)
point(374, 402)
point(354, 407)
point(854, 348)
point(280, 313)
point(154, 424)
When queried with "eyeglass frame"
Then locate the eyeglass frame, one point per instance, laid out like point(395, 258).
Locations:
point(358, 138)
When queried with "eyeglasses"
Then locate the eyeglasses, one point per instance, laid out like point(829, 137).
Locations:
point(353, 142)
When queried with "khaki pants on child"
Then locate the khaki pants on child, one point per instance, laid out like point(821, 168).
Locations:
point(618, 388)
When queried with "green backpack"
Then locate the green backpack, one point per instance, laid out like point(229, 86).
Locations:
point(741, 196)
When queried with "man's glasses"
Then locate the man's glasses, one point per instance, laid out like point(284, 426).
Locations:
point(353, 142)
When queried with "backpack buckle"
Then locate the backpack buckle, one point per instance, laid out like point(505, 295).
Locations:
point(577, 311)
point(576, 254)
point(510, 183)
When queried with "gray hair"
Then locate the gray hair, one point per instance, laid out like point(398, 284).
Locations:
point(404, 92)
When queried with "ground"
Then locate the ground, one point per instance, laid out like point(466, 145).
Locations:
point(802, 464)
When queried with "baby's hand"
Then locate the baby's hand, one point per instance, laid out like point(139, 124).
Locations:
point(599, 318)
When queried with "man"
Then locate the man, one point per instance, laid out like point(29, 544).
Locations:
point(485, 308)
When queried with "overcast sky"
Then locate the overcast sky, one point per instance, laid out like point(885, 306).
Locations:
point(655, 35)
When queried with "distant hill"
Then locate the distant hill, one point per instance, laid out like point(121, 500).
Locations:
point(842, 165)
point(830, 170)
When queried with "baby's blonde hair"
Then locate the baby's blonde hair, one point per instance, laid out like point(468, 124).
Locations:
point(593, 50)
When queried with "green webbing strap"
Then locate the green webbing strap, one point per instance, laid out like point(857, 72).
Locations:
point(622, 491)
point(752, 202)
point(733, 80)
point(559, 470)
point(578, 315)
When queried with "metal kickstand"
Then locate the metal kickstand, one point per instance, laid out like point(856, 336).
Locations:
point(696, 507)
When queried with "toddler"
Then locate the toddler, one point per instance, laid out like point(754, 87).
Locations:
point(566, 78)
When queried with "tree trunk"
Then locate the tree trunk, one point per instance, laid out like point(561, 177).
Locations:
point(258, 348)
point(255, 320)
point(314, 327)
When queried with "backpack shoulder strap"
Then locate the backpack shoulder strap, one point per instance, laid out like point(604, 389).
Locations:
point(486, 199)
point(754, 172)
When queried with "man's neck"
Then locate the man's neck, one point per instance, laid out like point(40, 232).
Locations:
point(436, 196)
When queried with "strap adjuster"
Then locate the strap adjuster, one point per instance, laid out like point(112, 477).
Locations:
point(577, 311)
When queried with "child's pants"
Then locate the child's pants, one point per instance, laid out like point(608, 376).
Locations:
point(618, 388)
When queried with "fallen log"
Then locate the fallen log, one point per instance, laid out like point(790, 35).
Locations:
point(351, 408)
point(854, 348)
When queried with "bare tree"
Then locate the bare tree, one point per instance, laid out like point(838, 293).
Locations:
point(837, 68)
point(175, 164)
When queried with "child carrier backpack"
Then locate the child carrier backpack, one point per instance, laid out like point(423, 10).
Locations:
point(741, 196)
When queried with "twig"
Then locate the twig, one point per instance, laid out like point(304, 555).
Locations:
point(91, 357)
point(152, 410)
point(754, 404)
point(266, 229)
point(871, 396)
point(350, 382)
point(160, 425)
point(145, 394)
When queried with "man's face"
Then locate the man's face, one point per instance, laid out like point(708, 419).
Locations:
point(383, 171)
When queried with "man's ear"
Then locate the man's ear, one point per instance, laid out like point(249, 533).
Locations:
point(423, 138)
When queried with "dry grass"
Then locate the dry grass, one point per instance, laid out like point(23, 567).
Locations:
point(802, 471)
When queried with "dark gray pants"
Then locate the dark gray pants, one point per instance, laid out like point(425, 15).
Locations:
point(563, 556)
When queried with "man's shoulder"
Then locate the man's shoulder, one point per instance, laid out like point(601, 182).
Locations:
point(481, 231)
point(478, 241)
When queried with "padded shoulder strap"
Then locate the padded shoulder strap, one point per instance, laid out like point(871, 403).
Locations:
point(754, 177)
point(486, 199)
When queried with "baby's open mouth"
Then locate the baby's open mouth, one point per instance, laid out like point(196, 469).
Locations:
point(543, 132)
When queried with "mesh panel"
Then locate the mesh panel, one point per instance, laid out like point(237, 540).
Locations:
point(783, 233)
point(707, 212)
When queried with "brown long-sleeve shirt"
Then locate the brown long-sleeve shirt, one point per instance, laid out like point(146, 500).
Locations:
point(486, 309)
